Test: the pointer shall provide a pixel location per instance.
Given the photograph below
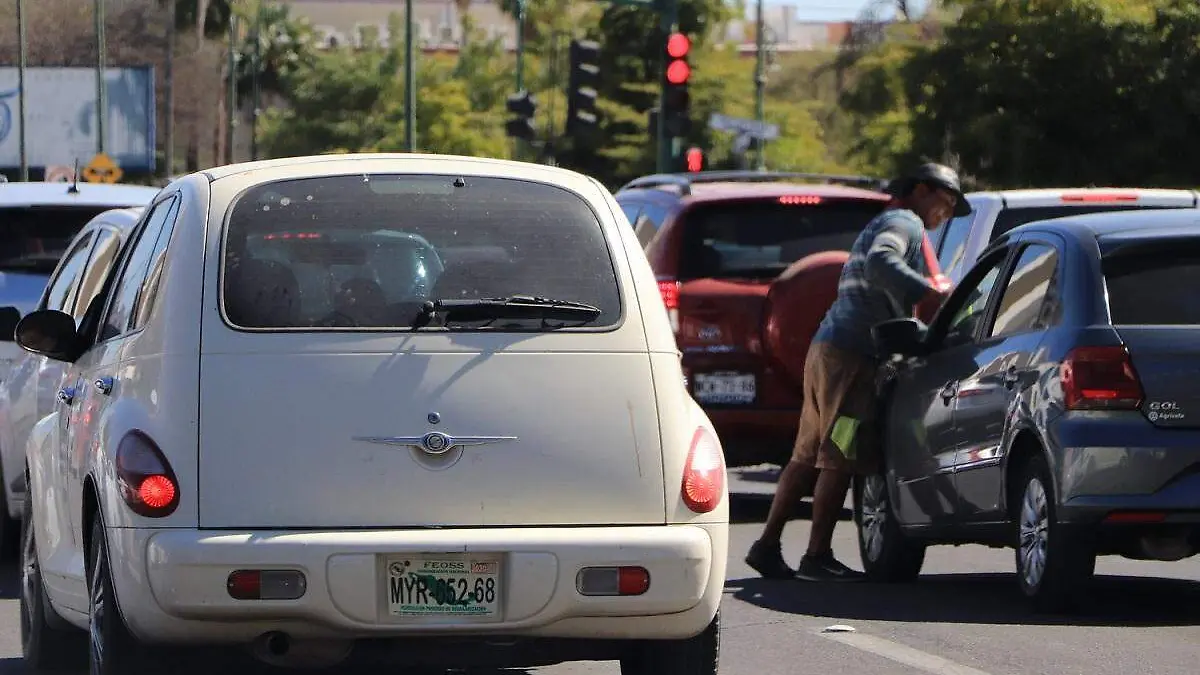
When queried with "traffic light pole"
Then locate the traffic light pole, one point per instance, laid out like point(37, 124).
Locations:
point(520, 45)
point(760, 83)
point(669, 15)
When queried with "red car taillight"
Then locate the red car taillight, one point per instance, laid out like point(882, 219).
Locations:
point(669, 290)
point(1100, 378)
point(148, 485)
point(703, 473)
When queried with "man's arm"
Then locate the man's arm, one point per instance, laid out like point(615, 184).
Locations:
point(886, 267)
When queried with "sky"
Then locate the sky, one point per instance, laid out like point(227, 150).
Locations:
point(823, 10)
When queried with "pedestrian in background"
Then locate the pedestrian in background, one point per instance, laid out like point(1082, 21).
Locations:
point(884, 278)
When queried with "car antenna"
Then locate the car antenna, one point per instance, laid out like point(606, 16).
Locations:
point(74, 189)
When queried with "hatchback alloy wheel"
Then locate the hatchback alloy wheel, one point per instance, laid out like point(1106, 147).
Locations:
point(887, 553)
point(1034, 534)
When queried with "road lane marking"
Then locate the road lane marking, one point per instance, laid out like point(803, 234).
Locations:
point(915, 658)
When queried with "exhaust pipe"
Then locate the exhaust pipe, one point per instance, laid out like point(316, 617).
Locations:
point(277, 648)
point(278, 644)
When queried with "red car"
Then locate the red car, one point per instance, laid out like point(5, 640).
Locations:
point(748, 264)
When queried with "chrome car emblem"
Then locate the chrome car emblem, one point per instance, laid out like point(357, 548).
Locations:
point(434, 442)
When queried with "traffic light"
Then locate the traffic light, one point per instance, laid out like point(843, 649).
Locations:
point(581, 91)
point(695, 160)
point(676, 75)
point(523, 105)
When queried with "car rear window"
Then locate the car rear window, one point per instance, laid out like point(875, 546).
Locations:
point(1012, 218)
point(367, 251)
point(1150, 288)
point(760, 239)
point(33, 238)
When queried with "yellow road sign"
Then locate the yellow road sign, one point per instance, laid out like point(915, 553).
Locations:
point(102, 170)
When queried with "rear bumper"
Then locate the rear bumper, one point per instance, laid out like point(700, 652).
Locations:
point(171, 584)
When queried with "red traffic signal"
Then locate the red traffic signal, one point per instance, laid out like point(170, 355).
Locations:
point(695, 160)
point(678, 72)
point(678, 45)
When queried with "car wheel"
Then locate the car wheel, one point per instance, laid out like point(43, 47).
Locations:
point(888, 555)
point(112, 649)
point(699, 655)
point(48, 643)
point(1052, 562)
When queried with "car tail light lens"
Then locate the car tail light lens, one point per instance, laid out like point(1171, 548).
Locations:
point(147, 483)
point(601, 581)
point(1100, 378)
point(266, 584)
point(704, 473)
point(1100, 197)
point(799, 200)
point(669, 290)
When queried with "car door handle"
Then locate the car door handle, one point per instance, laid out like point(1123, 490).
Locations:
point(104, 385)
point(1011, 377)
point(66, 395)
point(949, 391)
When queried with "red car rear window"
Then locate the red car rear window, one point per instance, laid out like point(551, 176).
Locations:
point(761, 239)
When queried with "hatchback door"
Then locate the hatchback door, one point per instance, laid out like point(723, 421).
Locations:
point(330, 399)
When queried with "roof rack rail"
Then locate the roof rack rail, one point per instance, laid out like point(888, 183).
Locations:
point(684, 181)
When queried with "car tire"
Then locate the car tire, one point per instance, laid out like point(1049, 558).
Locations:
point(48, 642)
point(699, 655)
point(888, 555)
point(112, 649)
point(1052, 562)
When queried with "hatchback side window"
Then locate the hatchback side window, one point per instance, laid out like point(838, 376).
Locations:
point(108, 243)
point(954, 242)
point(133, 274)
point(1030, 291)
point(62, 290)
point(148, 292)
point(972, 304)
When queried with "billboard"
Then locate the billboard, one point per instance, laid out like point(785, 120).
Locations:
point(60, 112)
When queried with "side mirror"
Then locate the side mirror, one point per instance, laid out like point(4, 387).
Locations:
point(9, 317)
point(50, 333)
point(900, 336)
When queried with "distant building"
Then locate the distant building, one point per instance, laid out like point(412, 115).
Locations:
point(438, 27)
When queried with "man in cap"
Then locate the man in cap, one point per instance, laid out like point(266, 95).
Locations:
point(884, 278)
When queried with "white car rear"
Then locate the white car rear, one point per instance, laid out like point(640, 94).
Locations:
point(301, 424)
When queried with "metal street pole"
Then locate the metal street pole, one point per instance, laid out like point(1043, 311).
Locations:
point(256, 92)
point(520, 44)
point(169, 94)
point(101, 103)
point(760, 83)
point(231, 95)
point(410, 85)
point(669, 13)
point(21, 48)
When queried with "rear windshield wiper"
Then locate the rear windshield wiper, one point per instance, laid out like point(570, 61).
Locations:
point(511, 307)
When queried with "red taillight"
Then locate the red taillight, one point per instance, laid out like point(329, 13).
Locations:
point(147, 483)
point(704, 473)
point(796, 200)
point(669, 290)
point(1100, 378)
point(1100, 197)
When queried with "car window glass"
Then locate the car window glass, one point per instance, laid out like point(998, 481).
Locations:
point(971, 304)
point(1023, 302)
point(369, 251)
point(954, 242)
point(644, 229)
point(1012, 218)
point(656, 213)
point(62, 289)
point(1142, 287)
point(631, 211)
point(147, 294)
point(98, 268)
point(133, 274)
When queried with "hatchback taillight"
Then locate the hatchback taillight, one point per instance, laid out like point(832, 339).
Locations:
point(148, 485)
point(669, 290)
point(1100, 378)
point(703, 473)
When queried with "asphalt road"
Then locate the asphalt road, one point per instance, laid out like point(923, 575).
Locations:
point(964, 616)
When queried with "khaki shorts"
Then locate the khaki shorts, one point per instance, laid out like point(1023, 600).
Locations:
point(838, 428)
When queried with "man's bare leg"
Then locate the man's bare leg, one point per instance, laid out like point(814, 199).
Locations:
point(818, 563)
point(796, 482)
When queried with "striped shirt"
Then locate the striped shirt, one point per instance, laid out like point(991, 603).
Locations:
point(883, 279)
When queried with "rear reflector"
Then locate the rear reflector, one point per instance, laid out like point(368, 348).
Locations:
point(266, 584)
point(612, 581)
point(797, 200)
point(1100, 197)
point(669, 290)
point(704, 473)
point(1135, 517)
point(1100, 378)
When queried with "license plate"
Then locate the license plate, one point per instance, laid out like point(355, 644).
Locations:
point(442, 585)
point(724, 387)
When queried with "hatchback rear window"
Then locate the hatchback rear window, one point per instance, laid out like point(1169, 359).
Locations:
point(760, 239)
point(1012, 218)
point(33, 238)
point(1149, 289)
point(367, 251)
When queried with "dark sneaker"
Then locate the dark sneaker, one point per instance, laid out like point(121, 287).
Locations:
point(767, 560)
point(826, 568)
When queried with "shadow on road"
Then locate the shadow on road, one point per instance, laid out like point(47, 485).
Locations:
point(978, 598)
point(752, 509)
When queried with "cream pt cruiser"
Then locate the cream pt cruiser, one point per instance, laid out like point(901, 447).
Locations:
point(423, 408)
